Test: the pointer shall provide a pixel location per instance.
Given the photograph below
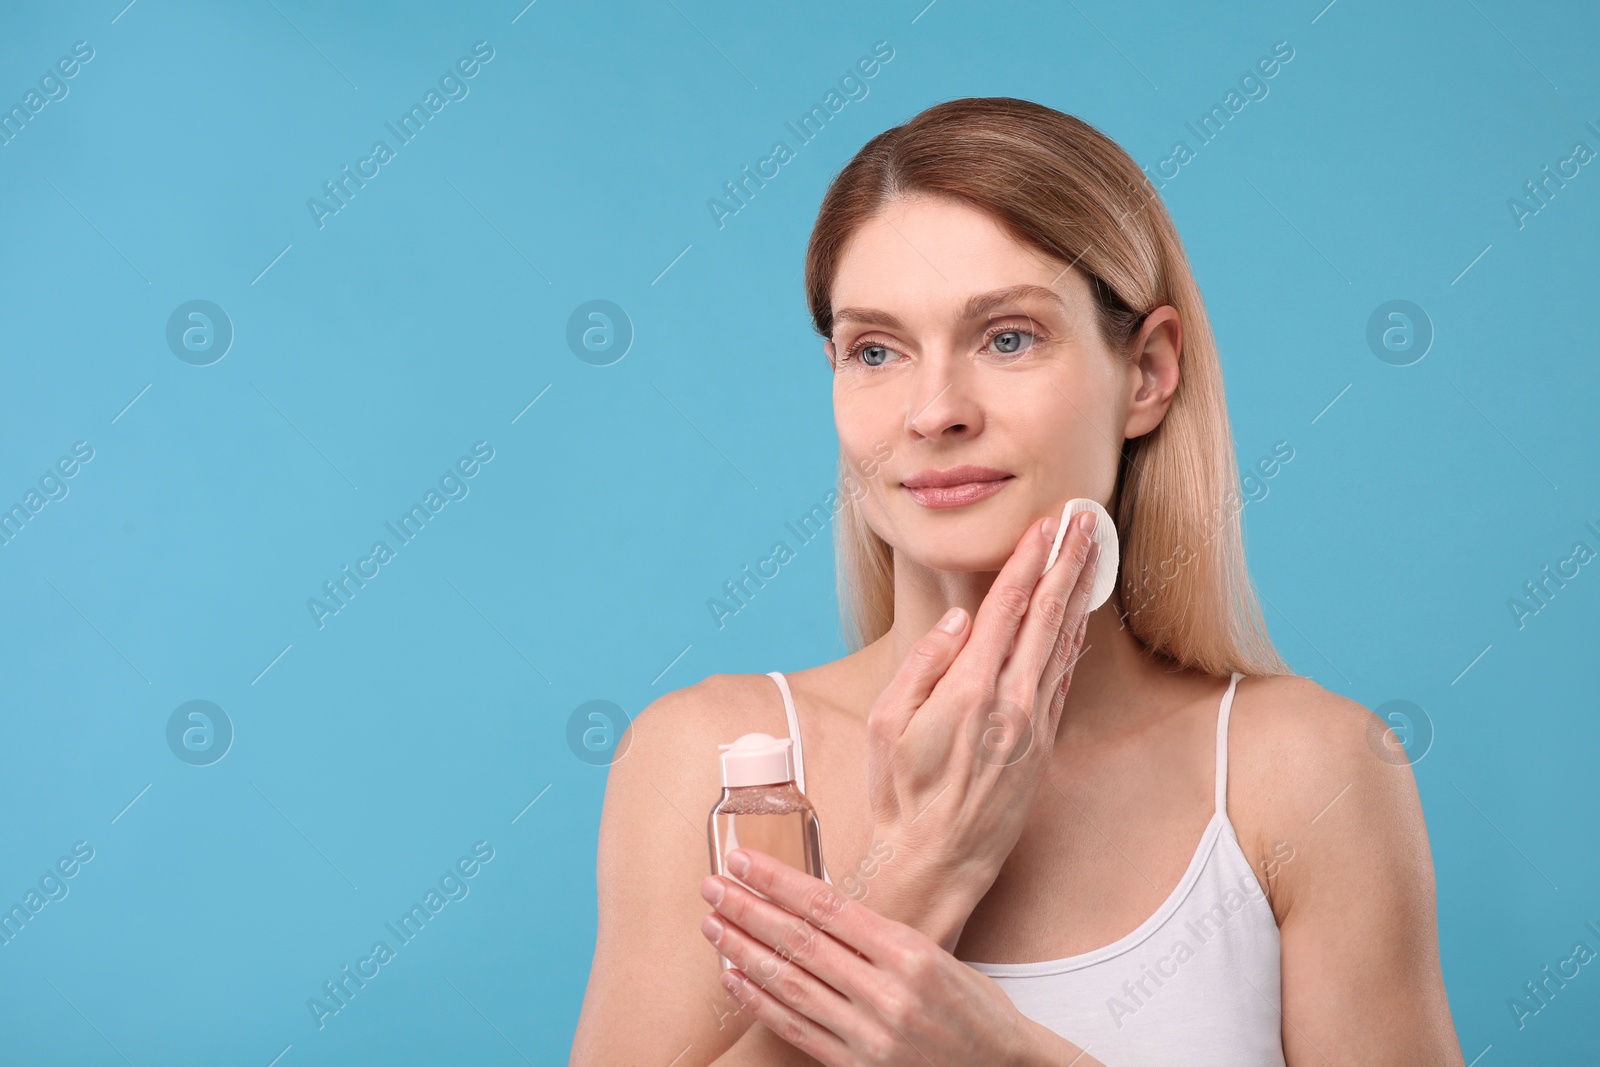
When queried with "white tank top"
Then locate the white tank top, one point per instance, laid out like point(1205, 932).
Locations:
point(1195, 983)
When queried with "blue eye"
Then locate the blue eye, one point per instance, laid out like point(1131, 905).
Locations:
point(1010, 341)
point(1003, 340)
point(867, 353)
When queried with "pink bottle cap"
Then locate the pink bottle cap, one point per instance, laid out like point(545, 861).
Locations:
point(757, 759)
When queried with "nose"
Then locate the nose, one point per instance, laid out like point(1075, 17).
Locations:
point(940, 402)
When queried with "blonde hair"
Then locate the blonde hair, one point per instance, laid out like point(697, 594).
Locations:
point(1061, 186)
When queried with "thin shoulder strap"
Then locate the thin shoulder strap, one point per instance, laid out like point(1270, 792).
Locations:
point(794, 734)
point(1222, 743)
point(794, 727)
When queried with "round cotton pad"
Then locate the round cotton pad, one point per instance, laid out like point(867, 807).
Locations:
point(1105, 535)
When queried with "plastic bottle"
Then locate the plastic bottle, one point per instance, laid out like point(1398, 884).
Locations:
point(762, 808)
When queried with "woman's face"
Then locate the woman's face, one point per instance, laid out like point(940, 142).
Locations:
point(955, 345)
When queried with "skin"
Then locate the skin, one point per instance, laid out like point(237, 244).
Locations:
point(1085, 837)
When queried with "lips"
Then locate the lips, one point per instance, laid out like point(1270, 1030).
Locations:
point(955, 487)
point(954, 476)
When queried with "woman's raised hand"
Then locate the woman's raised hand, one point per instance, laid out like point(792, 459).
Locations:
point(958, 741)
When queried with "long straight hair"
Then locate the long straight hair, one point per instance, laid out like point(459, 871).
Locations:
point(1059, 185)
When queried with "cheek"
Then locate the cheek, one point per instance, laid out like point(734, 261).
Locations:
point(1065, 428)
point(868, 443)
point(864, 422)
point(1090, 399)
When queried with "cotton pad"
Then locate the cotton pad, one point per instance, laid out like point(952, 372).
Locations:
point(1105, 535)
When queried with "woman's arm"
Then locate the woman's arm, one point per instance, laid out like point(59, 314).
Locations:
point(653, 992)
point(1355, 904)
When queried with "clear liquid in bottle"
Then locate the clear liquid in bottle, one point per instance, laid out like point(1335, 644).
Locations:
point(762, 808)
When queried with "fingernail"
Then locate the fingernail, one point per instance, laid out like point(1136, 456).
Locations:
point(1086, 521)
point(712, 927)
point(739, 864)
point(1049, 528)
point(950, 624)
point(711, 889)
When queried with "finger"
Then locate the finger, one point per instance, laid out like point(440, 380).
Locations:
point(1069, 649)
point(925, 663)
point(786, 980)
point(796, 1029)
point(792, 938)
point(1008, 601)
point(1073, 624)
point(1053, 615)
point(797, 895)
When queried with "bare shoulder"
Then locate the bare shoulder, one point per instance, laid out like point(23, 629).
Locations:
point(1317, 782)
point(1298, 723)
point(669, 750)
point(1326, 786)
point(653, 853)
point(668, 771)
point(680, 723)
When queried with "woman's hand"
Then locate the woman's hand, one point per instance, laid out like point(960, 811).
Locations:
point(847, 986)
point(960, 738)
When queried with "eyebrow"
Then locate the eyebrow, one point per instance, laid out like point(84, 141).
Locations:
point(978, 306)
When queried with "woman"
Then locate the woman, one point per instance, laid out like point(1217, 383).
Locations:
point(1036, 851)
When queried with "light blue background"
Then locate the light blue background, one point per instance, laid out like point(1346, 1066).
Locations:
point(429, 312)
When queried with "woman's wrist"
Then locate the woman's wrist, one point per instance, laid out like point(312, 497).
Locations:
point(926, 895)
point(940, 917)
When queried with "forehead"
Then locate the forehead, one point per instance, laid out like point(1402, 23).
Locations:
point(927, 257)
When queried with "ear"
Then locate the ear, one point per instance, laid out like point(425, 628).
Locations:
point(1153, 371)
point(827, 347)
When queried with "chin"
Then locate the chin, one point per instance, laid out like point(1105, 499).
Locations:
point(970, 539)
point(959, 552)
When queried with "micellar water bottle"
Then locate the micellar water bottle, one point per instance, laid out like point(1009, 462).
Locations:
point(762, 808)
